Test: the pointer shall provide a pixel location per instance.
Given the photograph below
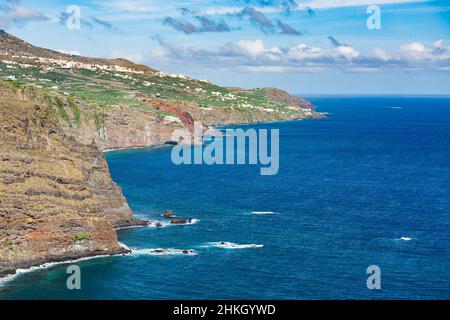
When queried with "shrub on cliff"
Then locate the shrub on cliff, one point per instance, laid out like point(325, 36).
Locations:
point(80, 236)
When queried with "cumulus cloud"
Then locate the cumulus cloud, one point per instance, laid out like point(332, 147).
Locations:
point(255, 55)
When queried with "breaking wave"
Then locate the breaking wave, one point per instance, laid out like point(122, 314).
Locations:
point(49, 265)
point(164, 252)
point(263, 212)
point(231, 245)
point(166, 223)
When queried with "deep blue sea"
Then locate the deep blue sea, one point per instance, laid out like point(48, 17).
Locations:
point(370, 185)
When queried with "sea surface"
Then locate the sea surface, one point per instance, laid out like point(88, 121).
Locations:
point(370, 185)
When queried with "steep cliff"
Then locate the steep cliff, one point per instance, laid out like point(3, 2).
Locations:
point(57, 199)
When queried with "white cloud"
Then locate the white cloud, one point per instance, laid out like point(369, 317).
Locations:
point(381, 54)
point(346, 52)
point(303, 51)
point(255, 56)
point(323, 4)
point(315, 4)
point(415, 51)
point(134, 6)
point(20, 15)
point(250, 48)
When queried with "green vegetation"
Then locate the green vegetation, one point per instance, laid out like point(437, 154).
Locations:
point(80, 236)
point(103, 89)
point(75, 110)
point(62, 110)
point(49, 102)
point(99, 121)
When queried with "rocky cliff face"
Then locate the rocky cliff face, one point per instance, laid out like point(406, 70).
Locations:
point(57, 199)
point(116, 126)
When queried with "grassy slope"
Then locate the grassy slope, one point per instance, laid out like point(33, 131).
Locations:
point(102, 88)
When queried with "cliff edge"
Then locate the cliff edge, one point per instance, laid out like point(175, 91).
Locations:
point(57, 199)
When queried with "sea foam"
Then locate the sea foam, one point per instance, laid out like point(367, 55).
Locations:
point(231, 245)
point(164, 252)
point(263, 212)
point(49, 265)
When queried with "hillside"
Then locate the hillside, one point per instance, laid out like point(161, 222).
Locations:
point(120, 84)
point(58, 112)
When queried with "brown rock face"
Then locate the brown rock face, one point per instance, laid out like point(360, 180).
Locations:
point(177, 110)
point(57, 199)
point(281, 95)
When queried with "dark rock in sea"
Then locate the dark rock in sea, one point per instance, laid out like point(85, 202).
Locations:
point(178, 221)
point(171, 143)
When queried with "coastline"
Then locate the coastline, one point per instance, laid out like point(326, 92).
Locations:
point(135, 148)
point(7, 275)
point(218, 126)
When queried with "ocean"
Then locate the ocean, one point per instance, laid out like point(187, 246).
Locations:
point(369, 185)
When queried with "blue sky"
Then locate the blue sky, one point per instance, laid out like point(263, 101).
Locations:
point(309, 46)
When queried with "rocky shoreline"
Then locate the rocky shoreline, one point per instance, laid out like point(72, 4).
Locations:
point(58, 200)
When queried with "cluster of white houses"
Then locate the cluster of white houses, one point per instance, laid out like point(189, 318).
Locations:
point(67, 64)
point(49, 64)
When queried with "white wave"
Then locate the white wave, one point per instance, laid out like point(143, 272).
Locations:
point(157, 224)
point(163, 252)
point(231, 245)
point(130, 227)
point(406, 238)
point(166, 223)
point(194, 221)
point(49, 265)
point(263, 212)
point(128, 148)
point(123, 245)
